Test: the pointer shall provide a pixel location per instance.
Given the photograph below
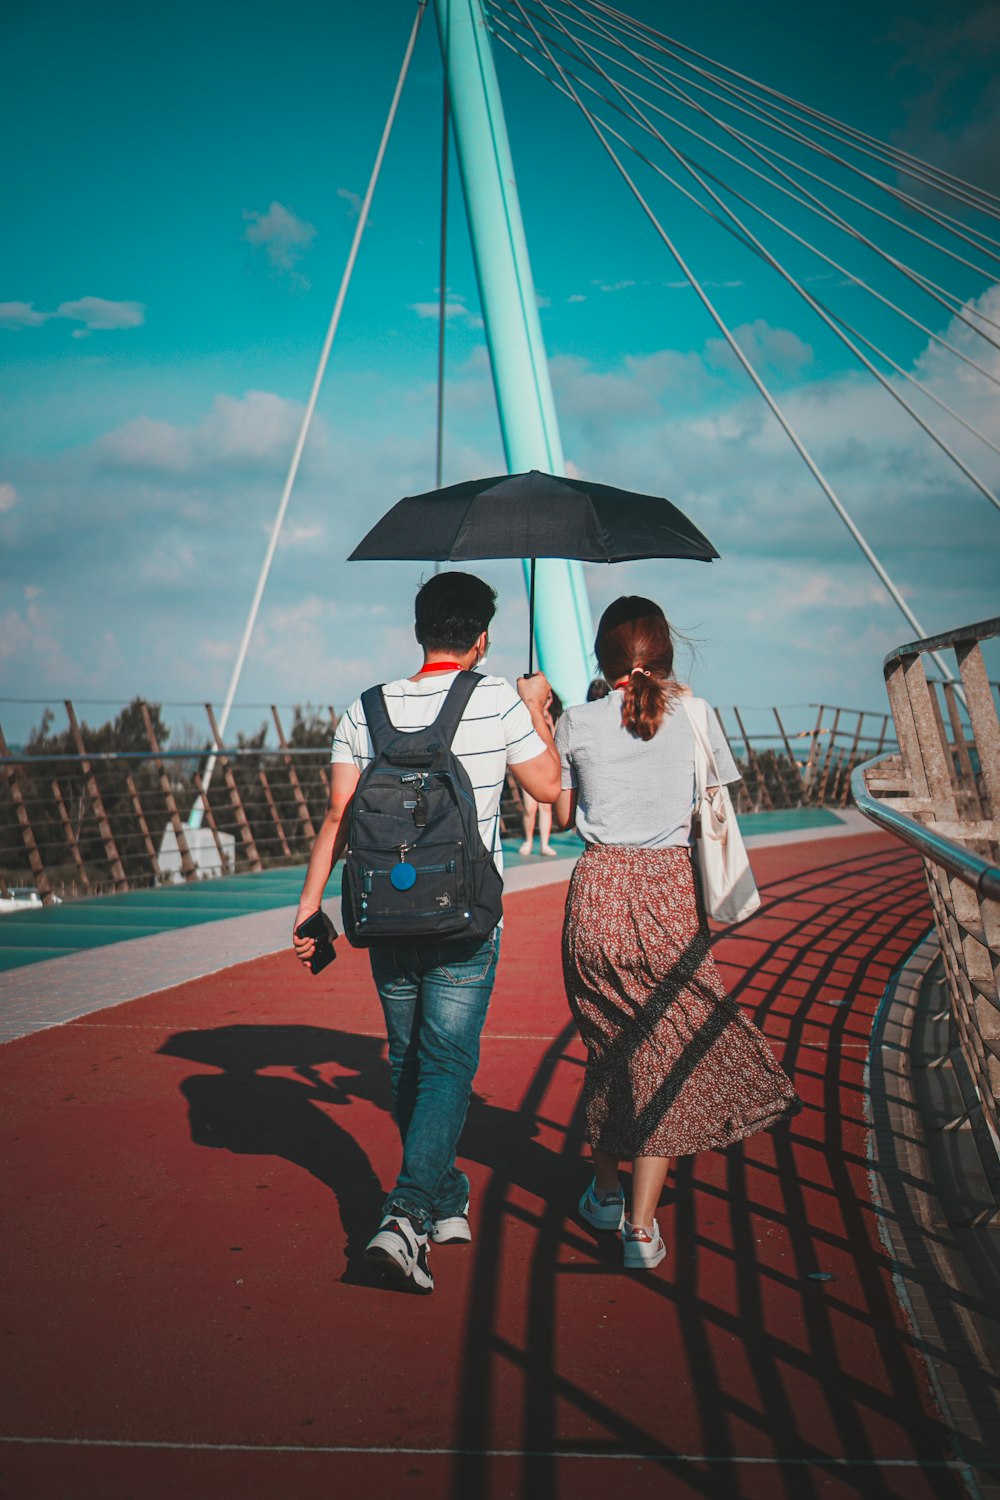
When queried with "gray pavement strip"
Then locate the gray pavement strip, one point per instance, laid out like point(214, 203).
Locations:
point(58, 990)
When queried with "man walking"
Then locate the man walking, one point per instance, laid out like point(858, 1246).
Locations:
point(435, 991)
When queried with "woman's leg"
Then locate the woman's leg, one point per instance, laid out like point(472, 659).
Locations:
point(545, 827)
point(648, 1176)
point(605, 1171)
point(528, 821)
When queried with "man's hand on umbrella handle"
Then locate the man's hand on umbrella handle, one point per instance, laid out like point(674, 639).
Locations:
point(535, 690)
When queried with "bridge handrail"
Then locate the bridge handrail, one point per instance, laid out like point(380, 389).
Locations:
point(941, 795)
point(979, 873)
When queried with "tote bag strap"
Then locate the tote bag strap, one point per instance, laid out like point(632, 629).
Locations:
point(706, 772)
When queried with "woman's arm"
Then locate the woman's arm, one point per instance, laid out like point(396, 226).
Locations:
point(564, 810)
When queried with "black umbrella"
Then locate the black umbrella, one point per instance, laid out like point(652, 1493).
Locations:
point(533, 515)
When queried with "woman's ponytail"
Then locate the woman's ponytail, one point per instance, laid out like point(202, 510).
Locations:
point(635, 651)
point(644, 701)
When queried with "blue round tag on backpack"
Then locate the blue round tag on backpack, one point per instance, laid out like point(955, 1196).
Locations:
point(403, 876)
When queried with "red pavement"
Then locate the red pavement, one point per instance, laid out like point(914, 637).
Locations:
point(189, 1178)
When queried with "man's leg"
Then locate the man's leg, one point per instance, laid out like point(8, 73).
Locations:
point(454, 993)
point(399, 1245)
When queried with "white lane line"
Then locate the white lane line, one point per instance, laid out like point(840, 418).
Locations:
point(819, 1461)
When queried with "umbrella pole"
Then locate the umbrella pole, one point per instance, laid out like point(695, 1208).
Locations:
point(531, 621)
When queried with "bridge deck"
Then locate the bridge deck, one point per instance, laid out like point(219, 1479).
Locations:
point(190, 1177)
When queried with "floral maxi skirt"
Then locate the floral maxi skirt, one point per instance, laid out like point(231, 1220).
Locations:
point(673, 1066)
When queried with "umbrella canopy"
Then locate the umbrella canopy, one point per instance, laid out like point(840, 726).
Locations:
point(533, 515)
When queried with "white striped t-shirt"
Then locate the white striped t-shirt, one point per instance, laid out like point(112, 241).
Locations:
point(495, 732)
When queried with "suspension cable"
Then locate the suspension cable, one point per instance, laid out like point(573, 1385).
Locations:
point(937, 216)
point(746, 243)
point(807, 244)
point(804, 197)
point(895, 155)
point(734, 345)
point(821, 312)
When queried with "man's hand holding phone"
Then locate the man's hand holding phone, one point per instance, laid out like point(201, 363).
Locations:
point(312, 940)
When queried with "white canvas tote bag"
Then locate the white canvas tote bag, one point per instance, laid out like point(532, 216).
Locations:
point(728, 888)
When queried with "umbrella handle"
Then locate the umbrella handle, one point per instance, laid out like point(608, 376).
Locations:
point(531, 620)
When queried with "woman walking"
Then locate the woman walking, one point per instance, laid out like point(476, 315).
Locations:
point(674, 1066)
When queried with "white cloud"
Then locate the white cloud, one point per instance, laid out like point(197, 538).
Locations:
point(258, 428)
point(677, 286)
point(613, 286)
point(93, 313)
point(280, 233)
point(8, 497)
point(300, 535)
point(576, 297)
point(215, 650)
point(452, 309)
point(20, 315)
point(353, 201)
point(766, 347)
point(97, 313)
point(790, 613)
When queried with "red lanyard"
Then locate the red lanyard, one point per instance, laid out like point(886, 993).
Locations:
point(439, 666)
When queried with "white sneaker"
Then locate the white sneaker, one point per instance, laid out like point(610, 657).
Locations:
point(400, 1252)
point(607, 1212)
point(453, 1230)
point(642, 1250)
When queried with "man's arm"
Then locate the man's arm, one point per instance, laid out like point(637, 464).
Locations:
point(330, 844)
point(541, 776)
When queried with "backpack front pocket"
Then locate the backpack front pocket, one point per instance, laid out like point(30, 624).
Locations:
point(434, 896)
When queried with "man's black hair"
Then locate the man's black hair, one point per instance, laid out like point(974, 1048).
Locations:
point(452, 611)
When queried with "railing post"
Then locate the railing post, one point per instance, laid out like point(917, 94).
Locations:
point(279, 826)
point(293, 777)
point(242, 821)
point(762, 790)
point(793, 763)
point(809, 775)
point(209, 817)
point(96, 802)
point(133, 792)
point(71, 838)
point(42, 884)
point(188, 867)
point(983, 719)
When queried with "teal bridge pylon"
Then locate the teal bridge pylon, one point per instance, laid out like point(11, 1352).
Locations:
point(528, 422)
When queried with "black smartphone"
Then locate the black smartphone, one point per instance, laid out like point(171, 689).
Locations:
point(320, 927)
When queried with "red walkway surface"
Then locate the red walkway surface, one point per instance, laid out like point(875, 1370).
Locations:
point(189, 1179)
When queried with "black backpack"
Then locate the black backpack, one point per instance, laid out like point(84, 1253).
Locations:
point(416, 864)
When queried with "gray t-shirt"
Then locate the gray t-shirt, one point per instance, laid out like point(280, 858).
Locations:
point(632, 791)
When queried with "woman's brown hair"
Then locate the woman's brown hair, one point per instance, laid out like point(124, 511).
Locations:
point(634, 643)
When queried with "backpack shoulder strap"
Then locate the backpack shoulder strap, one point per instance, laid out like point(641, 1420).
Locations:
point(380, 726)
point(454, 706)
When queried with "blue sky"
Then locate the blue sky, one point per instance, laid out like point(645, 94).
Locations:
point(181, 191)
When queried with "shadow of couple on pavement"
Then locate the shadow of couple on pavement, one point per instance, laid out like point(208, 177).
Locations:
point(246, 1110)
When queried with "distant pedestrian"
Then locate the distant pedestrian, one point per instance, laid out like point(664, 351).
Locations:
point(435, 990)
point(599, 688)
point(673, 1067)
point(530, 808)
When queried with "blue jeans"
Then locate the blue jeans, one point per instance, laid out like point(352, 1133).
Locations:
point(435, 995)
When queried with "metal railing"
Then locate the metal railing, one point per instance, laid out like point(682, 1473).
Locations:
point(100, 817)
point(89, 811)
point(941, 794)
